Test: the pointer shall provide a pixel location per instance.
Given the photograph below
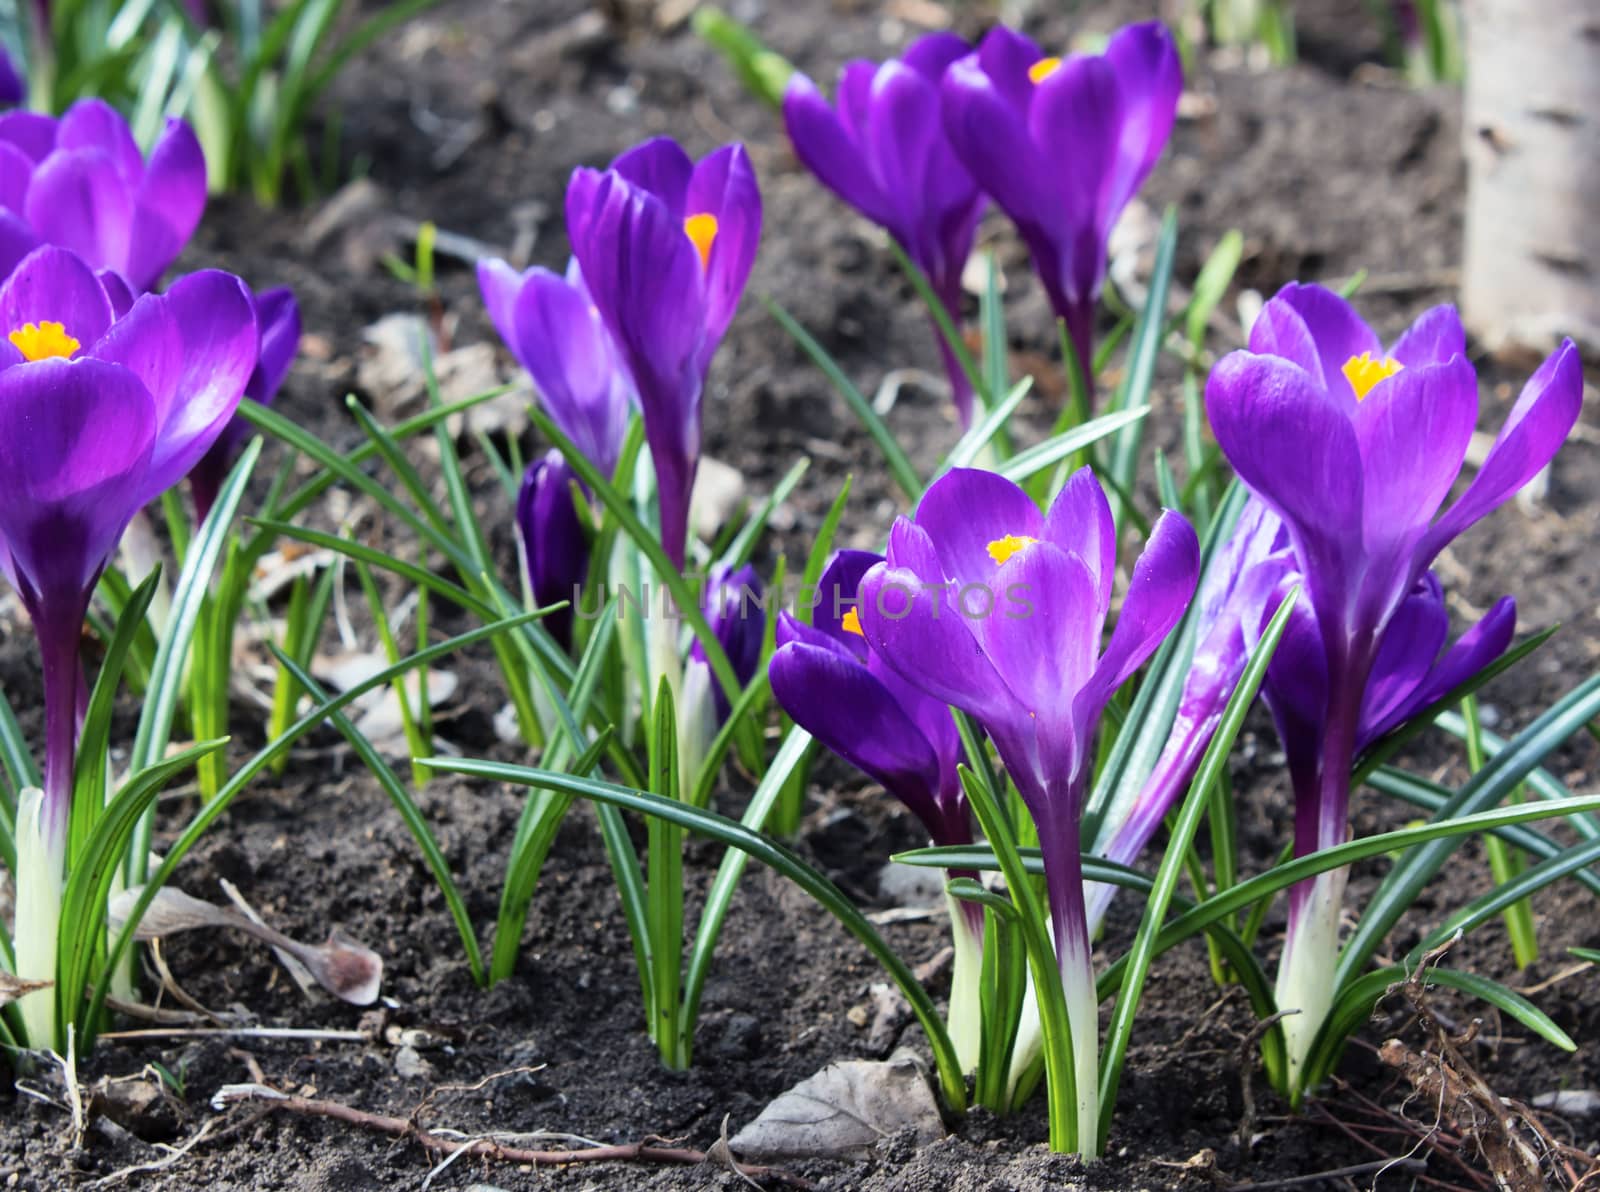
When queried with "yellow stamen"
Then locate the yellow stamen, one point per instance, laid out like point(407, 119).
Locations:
point(1002, 549)
point(702, 229)
point(40, 341)
point(852, 623)
point(1043, 69)
point(1363, 372)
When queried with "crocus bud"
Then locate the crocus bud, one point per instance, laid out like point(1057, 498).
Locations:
point(553, 540)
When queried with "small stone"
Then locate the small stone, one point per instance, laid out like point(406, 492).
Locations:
point(859, 1015)
point(409, 1064)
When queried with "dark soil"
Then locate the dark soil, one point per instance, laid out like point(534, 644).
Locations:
point(473, 117)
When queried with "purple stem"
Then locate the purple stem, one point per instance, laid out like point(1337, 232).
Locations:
point(63, 682)
point(1079, 318)
point(1322, 801)
point(960, 387)
point(1061, 844)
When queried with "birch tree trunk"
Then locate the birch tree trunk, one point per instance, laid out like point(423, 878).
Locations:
point(1532, 130)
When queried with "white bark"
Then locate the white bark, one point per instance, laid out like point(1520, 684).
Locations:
point(1532, 130)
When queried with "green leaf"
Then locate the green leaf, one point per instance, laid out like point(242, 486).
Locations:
point(1194, 808)
point(1211, 284)
point(410, 814)
point(768, 852)
point(1025, 464)
point(894, 457)
point(965, 452)
point(720, 897)
point(209, 812)
point(1431, 797)
point(1487, 788)
point(88, 885)
point(1134, 392)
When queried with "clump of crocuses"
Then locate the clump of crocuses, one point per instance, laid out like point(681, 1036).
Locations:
point(987, 604)
point(1355, 447)
point(1062, 145)
point(880, 147)
point(100, 412)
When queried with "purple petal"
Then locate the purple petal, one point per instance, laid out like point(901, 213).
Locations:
point(902, 135)
point(1077, 116)
point(1435, 337)
point(75, 440)
point(31, 132)
point(553, 539)
point(841, 704)
point(661, 167)
point(1538, 424)
point(278, 325)
point(837, 589)
point(1295, 449)
point(1413, 430)
point(557, 334)
point(966, 510)
point(1080, 523)
point(1006, 56)
point(932, 53)
point(1280, 330)
point(990, 135)
point(724, 185)
point(644, 275)
point(1407, 651)
point(169, 203)
point(17, 240)
point(825, 147)
point(916, 630)
point(194, 348)
point(1150, 76)
point(95, 124)
point(117, 292)
point(1042, 635)
point(1337, 332)
point(1159, 591)
point(1474, 650)
point(79, 201)
point(500, 284)
point(54, 285)
point(16, 170)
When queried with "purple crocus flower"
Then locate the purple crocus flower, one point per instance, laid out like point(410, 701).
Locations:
point(734, 610)
point(552, 327)
point(12, 89)
point(278, 323)
point(81, 183)
point(1062, 144)
point(665, 245)
point(1356, 449)
point(992, 607)
point(553, 541)
point(851, 700)
point(881, 149)
point(99, 415)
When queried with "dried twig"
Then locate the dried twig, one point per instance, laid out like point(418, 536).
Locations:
point(1509, 1136)
point(1381, 1166)
point(434, 1143)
